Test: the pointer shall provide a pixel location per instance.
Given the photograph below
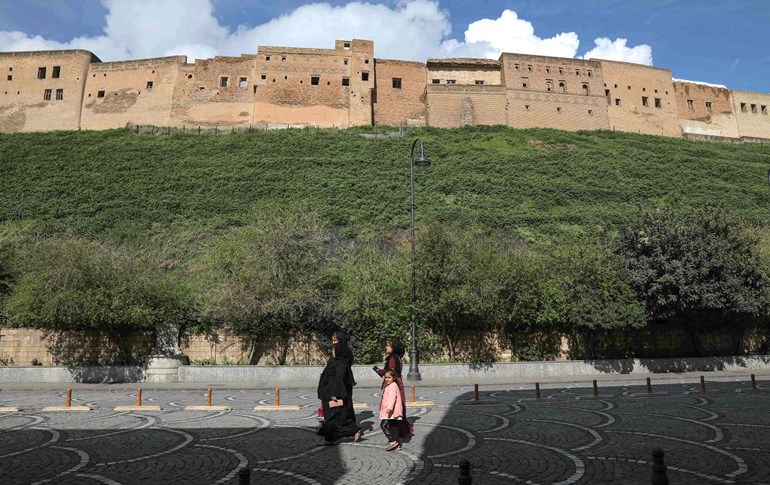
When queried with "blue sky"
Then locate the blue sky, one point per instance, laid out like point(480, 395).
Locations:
point(715, 41)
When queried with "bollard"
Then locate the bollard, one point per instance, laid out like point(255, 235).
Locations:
point(702, 384)
point(658, 468)
point(208, 398)
point(277, 397)
point(475, 392)
point(244, 476)
point(465, 473)
point(412, 396)
point(596, 389)
point(139, 396)
point(537, 390)
point(68, 401)
point(649, 386)
point(753, 382)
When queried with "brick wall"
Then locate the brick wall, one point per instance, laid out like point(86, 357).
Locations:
point(456, 105)
point(28, 97)
point(626, 85)
point(752, 111)
point(400, 102)
point(704, 109)
point(138, 92)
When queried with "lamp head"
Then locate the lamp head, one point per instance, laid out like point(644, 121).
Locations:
point(422, 161)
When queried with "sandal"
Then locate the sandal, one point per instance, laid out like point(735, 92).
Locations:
point(393, 447)
point(358, 435)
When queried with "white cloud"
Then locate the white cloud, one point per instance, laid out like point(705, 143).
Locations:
point(618, 51)
point(409, 30)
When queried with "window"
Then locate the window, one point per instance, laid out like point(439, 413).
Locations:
point(100, 94)
point(547, 70)
point(243, 82)
point(56, 72)
point(708, 106)
point(529, 68)
point(657, 102)
point(645, 101)
point(41, 73)
point(754, 108)
point(267, 58)
point(10, 77)
point(577, 72)
point(436, 81)
point(283, 58)
point(590, 112)
point(525, 83)
point(263, 76)
point(59, 94)
point(345, 61)
point(223, 81)
point(366, 61)
point(558, 110)
point(451, 81)
point(314, 80)
point(346, 46)
point(690, 105)
point(526, 107)
point(644, 90)
point(189, 76)
point(607, 93)
point(629, 87)
point(589, 73)
point(346, 81)
point(743, 108)
point(585, 89)
point(617, 101)
point(396, 83)
point(561, 71)
point(479, 82)
point(149, 85)
point(549, 85)
point(764, 109)
point(47, 95)
point(364, 76)
point(562, 87)
point(515, 67)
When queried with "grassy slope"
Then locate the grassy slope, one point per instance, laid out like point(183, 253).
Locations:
point(115, 181)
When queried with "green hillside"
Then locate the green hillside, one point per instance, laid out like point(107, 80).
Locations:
point(533, 181)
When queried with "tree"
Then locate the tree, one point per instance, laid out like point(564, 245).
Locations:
point(698, 269)
point(266, 279)
point(70, 284)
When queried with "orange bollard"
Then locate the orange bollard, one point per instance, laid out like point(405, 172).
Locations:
point(537, 390)
point(596, 389)
point(412, 397)
point(208, 398)
point(753, 382)
point(277, 397)
point(649, 386)
point(68, 401)
point(139, 396)
point(475, 392)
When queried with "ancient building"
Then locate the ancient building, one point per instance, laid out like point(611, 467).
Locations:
point(348, 86)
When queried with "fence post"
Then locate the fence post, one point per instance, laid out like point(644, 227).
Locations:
point(596, 389)
point(139, 396)
point(475, 392)
point(658, 468)
point(753, 382)
point(649, 386)
point(702, 384)
point(537, 390)
point(277, 397)
point(68, 400)
point(208, 397)
point(412, 393)
point(244, 476)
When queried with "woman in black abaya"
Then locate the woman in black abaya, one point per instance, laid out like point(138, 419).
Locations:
point(336, 384)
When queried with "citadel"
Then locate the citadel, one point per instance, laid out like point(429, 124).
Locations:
point(347, 86)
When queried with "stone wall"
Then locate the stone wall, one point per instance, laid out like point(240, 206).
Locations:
point(705, 109)
point(42, 91)
point(137, 92)
point(451, 105)
point(752, 110)
point(640, 99)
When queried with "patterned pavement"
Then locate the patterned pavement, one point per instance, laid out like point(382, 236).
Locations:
point(509, 437)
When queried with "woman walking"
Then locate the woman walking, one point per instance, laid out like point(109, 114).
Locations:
point(335, 390)
point(394, 354)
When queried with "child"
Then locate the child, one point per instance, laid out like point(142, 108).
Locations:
point(391, 410)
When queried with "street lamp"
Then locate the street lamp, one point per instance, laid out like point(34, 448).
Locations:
point(414, 370)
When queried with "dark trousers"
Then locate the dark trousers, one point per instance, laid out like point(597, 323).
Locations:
point(389, 427)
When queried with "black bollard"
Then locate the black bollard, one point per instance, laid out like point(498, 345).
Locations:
point(465, 473)
point(658, 468)
point(244, 476)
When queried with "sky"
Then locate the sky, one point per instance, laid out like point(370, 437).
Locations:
point(720, 42)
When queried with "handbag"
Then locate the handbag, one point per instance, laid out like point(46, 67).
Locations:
point(335, 403)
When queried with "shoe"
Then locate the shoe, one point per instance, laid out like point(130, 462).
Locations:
point(358, 436)
point(393, 447)
point(326, 443)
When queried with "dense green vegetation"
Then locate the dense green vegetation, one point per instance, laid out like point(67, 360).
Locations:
point(523, 236)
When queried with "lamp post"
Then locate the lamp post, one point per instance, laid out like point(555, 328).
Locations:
point(414, 370)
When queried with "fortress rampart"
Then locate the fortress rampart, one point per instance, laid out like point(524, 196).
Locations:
point(347, 86)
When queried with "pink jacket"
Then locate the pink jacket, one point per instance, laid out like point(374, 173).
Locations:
point(391, 401)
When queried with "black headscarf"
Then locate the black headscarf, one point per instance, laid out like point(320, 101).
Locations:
point(342, 348)
point(398, 348)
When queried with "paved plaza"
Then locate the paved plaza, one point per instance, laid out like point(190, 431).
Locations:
point(508, 436)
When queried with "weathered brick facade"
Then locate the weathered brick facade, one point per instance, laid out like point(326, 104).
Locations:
point(346, 86)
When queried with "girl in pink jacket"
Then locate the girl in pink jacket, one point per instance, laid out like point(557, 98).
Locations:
point(391, 410)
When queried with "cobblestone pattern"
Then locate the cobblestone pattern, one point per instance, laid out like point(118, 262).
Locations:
point(508, 437)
